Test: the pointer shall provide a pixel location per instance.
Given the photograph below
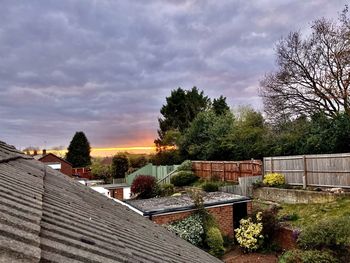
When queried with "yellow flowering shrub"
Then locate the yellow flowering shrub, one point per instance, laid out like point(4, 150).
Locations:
point(249, 234)
point(274, 179)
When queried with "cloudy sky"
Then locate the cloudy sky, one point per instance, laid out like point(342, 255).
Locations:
point(106, 66)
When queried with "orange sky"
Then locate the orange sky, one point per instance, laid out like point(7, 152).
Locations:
point(110, 151)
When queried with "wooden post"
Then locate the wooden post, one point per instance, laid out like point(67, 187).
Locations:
point(271, 164)
point(305, 172)
point(224, 178)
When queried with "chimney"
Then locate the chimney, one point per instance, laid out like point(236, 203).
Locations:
point(44, 151)
point(35, 152)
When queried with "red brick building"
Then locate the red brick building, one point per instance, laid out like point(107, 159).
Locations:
point(57, 163)
point(82, 172)
point(227, 209)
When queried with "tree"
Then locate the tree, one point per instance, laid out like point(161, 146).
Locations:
point(313, 74)
point(120, 165)
point(100, 170)
point(79, 151)
point(181, 107)
point(208, 137)
point(220, 106)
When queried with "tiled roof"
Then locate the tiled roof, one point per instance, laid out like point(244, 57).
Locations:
point(48, 217)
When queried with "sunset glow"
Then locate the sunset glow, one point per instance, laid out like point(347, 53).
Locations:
point(110, 151)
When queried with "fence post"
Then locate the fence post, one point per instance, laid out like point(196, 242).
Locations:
point(305, 172)
point(271, 165)
point(224, 179)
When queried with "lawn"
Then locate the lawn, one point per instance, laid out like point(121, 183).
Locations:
point(307, 214)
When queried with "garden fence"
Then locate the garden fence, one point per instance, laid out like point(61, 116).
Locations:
point(228, 171)
point(324, 170)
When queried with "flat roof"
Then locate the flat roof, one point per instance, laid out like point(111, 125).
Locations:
point(112, 186)
point(184, 202)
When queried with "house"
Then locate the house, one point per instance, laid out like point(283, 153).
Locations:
point(82, 172)
point(227, 209)
point(118, 191)
point(47, 216)
point(56, 163)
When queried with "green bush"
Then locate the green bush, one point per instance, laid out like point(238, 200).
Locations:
point(274, 179)
point(210, 187)
point(167, 189)
point(333, 233)
point(185, 166)
point(189, 229)
point(215, 242)
point(307, 256)
point(183, 178)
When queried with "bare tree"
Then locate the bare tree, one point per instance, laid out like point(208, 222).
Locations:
point(313, 73)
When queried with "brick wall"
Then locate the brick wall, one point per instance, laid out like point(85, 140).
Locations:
point(66, 168)
point(222, 214)
point(285, 238)
point(249, 208)
point(118, 193)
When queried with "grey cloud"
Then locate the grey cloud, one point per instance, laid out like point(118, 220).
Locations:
point(106, 66)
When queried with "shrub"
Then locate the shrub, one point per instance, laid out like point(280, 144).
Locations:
point(144, 186)
point(210, 187)
point(274, 179)
point(185, 166)
point(183, 178)
point(167, 189)
point(307, 256)
point(215, 242)
point(332, 233)
point(189, 229)
point(249, 234)
point(270, 223)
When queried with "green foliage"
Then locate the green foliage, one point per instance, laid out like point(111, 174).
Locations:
point(100, 170)
point(185, 166)
point(220, 106)
point(190, 229)
point(181, 107)
point(79, 151)
point(307, 256)
point(249, 234)
point(166, 157)
point(208, 137)
point(138, 161)
point(333, 233)
point(183, 178)
point(166, 189)
point(210, 186)
point(274, 179)
point(215, 242)
point(120, 165)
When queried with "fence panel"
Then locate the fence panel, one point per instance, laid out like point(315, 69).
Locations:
point(332, 170)
point(226, 171)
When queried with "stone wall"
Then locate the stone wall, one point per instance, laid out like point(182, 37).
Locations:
point(293, 196)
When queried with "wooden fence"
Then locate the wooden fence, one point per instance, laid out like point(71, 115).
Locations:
point(328, 170)
point(227, 171)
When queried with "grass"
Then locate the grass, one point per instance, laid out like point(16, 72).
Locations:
point(308, 214)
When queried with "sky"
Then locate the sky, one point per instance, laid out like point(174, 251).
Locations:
point(105, 67)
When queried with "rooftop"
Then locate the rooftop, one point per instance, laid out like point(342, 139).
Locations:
point(46, 216)
point(183, 202)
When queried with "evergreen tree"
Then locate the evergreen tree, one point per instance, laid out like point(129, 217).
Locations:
point(79, 151)
point(120, 165)
point(220, 106)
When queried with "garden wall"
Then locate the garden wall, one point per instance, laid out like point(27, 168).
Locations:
point(293, 196)
point(223, 215)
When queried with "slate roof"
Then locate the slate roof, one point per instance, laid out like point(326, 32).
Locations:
point(162, 205)
point(48, 217)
